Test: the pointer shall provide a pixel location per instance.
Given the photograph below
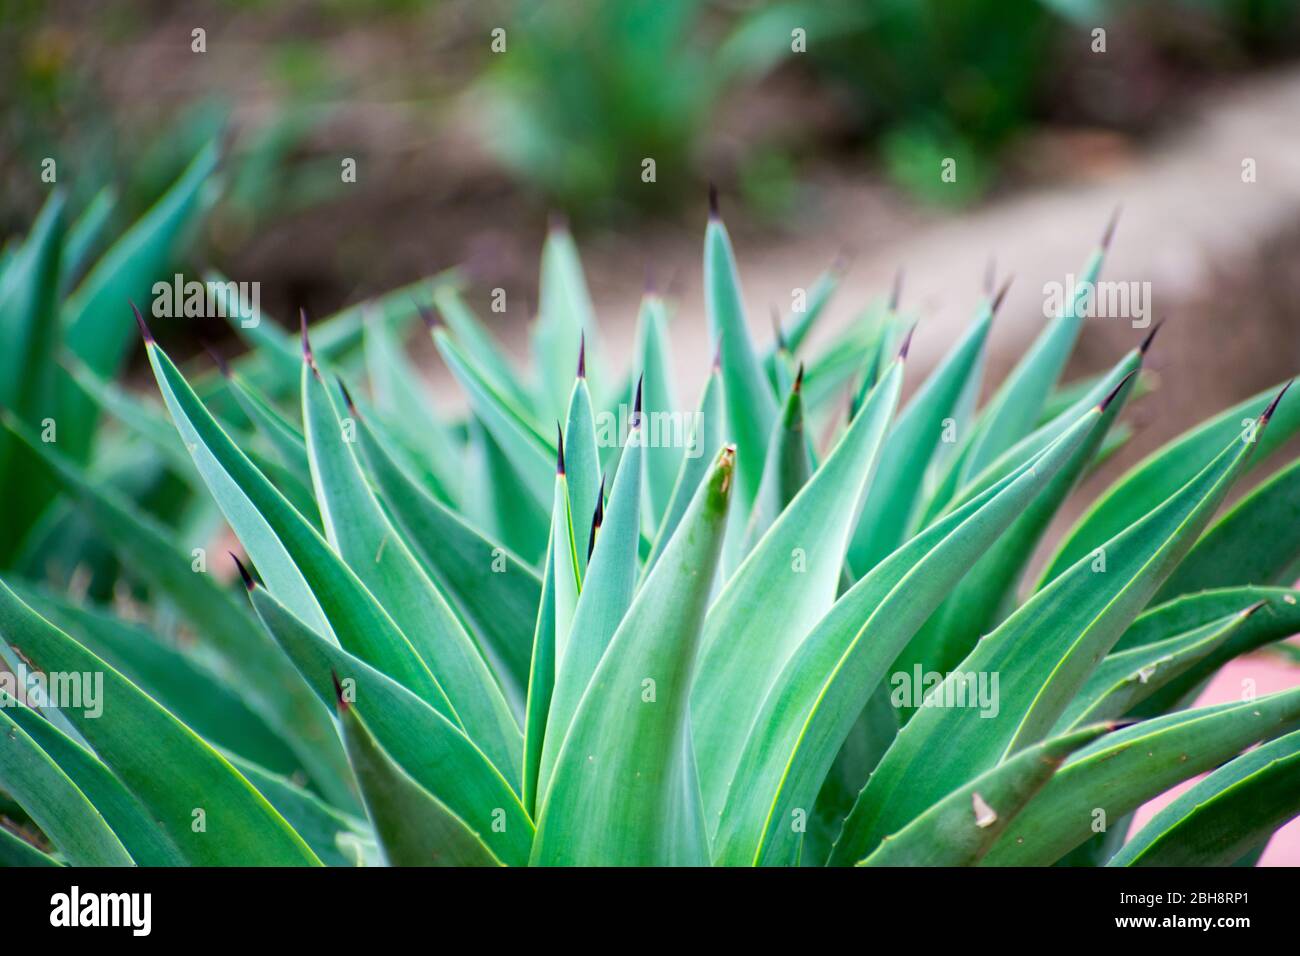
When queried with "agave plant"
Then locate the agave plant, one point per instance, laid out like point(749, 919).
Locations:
point(540, 632)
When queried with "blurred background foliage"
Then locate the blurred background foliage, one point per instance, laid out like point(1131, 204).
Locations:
point(458, 142)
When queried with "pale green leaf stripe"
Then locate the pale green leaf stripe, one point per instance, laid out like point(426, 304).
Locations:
point(779, 592)
point(361, 533)
point(963, 826)
point(751, 405)
point(541, 677)
point(603, 602)
point(1216, 822)
point(909, 448)
point(564, 316)
point(663, 454)
point(1257, 542)
point(581, 467)
point(840, 665)
point(289, 553)
point(139, 737)
point(414, 827)
point(528, 453)
point(1042, 653)
point(1166, 469)
point(624, 790)
point(1125, 678)
point(435, 752)
point(706, 434)
point(274, 690)
point(53, 801)
point(495, 589)
point(131, 822)
point(1125, 769)
point(17, 852)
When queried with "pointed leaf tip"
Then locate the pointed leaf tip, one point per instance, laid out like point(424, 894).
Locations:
point(247, 578)
point(776, 330)
point(306, 342)
point(1105, 402)
point(907, 343)
point(582, 355)
point(798, 379)
point(218, 359)
point(636, 407)
point(559, 454)
point(1151, 337)
point(713, 202)
point(1109, 234)
point(139, 321)
point(347, 396)
point(1001, 295)
point(427, 315)
point(557, 221)
point(1272, 406)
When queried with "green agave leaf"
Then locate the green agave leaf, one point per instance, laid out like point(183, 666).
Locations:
point(623, 791)
point(52, 800)
point(480, 346)
point(833, 369)
point(527, 452)
point(28, 340)
point(140, 737)
point(15, 852)
point(361, 533)
point(564, 318)
point(85, 236)
point(963, 826)
point(1043, 653)
point(604, 600)
point(707, 432)
point(292, 556)
point(1125, 678)
point(1165, 470)
point(1129, 767)
point(131, 822)
point(191, 690)
point(581, 461)
point(781, 590)
point(987, 593)
point(664, 443)
point(541, 678)
point(339, 839)
point(750, 402)
point(147, 550)
point(1230, 812)
point(1257, 542)
point(1013, 411)
point(786, 469)
point(910, 446)
point(284, 437)
point(1277, 619)
point(93, 330)
point(495, 590)
point(425, 744)
point(415, 828)
point(832, 677)
point(404, 402)
point(564, 547)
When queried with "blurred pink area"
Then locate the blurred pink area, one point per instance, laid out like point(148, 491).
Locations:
point(1269, 673)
